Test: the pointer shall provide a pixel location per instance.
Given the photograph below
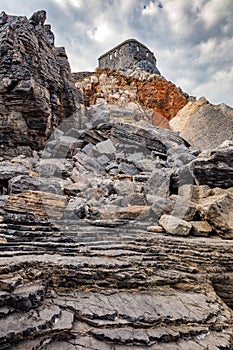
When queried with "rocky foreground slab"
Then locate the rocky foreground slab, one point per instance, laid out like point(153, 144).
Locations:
point(116, 245)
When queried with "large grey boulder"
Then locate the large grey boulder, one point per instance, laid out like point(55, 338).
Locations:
point(106, 147)
point(23, 183)
point(9, 170)
point(204, 125)
point(183, 208)
point(160, 205)
point(128, 168)
point(124, 187)
point(217, 210)
point(159, 182)
point(51, 167)
point(179, 155)
point(215, 168)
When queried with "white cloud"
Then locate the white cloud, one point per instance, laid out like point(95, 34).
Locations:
point(151, 9)
point(215, 12)
point(101, 33)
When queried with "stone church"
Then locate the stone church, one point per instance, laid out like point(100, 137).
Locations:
point(126, 54)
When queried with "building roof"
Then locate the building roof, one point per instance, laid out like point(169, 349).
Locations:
point(121, 44)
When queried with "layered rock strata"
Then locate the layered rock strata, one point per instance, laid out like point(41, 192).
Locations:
point(78, 267)
point(116, 234)
point(36, 89)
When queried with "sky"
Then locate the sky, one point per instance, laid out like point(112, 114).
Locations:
point(191, 39)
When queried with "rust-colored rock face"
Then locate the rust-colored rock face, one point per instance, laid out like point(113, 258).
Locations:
point(156, 98)
point(162, 96)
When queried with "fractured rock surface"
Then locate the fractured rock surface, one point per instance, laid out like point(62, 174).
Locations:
point(36, 90)
point(134, 95)
point(146, 292)
point(204, 125)
point(116, 234)
point(85, 265)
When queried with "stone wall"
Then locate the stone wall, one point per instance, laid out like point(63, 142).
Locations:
point(126, 53)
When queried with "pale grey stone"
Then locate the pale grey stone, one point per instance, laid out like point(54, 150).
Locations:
point(159, 182)
point(106, 147)
point(174, 225)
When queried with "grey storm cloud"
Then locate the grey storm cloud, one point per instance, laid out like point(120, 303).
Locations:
point(192, 40)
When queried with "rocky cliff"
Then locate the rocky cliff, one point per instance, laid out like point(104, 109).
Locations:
point(116, 234)
point(147, 96)
point(36, 89)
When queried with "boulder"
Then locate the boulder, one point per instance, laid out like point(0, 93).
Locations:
point(73, 189)
point(201, 228)
point(133, 199)
point(159, 182)
point(179, 155)
point(60, 168)
point(217, 210)
point(134, 212)
point(124, 187)
point(112, 212)
point(183, 208)
point(87, 163)
point(216, 168)
point(36, 203)
point(160, 205)
point(64, 146)
point(203, 124)
point(174, 225)
point(23, 183)
point(106, 147)
point(128, 168)
point(9, 170)
point(194, 193)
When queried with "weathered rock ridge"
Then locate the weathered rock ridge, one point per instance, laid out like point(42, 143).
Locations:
point(36, 89)
point(146, 96)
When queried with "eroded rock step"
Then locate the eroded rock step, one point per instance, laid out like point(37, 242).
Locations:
point(154, 319)
point(151, 291)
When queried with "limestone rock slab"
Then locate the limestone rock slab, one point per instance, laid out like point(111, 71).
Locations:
point(203, 124)
point(174, 225)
